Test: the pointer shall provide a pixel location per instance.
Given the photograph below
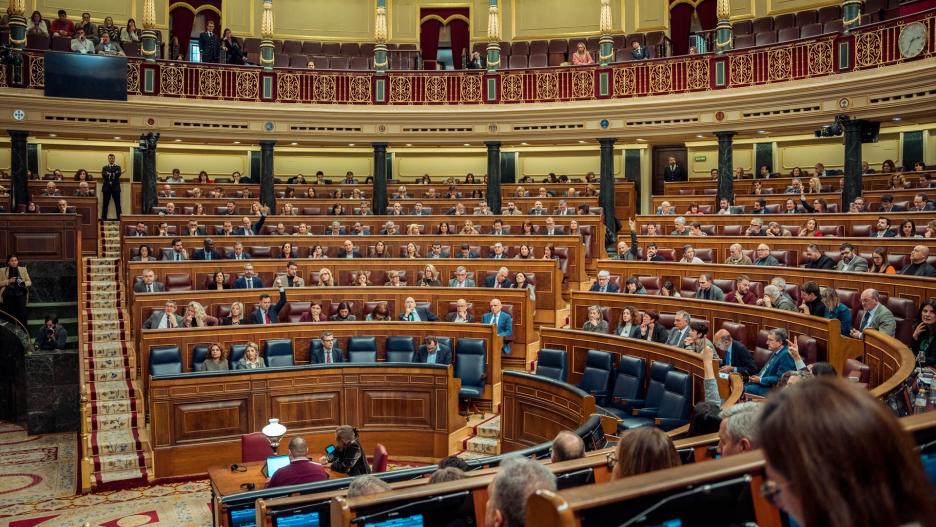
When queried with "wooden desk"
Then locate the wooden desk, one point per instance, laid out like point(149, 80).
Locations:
point(681, 203)
point(536, 408)
point(197, 419)
point(86, 208)
point(744, 186)
point(41, 237)
point(225, 482)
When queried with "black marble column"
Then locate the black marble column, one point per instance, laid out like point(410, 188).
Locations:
point(725, 166)
point(606, 183)
point(53, 391)
point(267, 194)
point(14, 343)
point(19, 180)
point(379, 204)
point(853, 185)
point(632, 174)
point(148, 178)
point(493, 176)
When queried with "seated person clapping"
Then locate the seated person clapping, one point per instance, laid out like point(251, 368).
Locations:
point(251, 359)
point(344, 313)
point(217, 359)
point(595, 322)
point(381, 313)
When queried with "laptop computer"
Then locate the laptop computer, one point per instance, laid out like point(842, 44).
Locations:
point(273, 464)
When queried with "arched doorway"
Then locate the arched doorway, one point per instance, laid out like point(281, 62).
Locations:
point(457, 27)
point(187, 17)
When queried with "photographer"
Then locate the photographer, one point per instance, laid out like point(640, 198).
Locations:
point(13, 293)
point(52, 336)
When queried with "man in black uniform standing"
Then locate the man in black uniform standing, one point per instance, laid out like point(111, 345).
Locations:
point(209, 43)
point(111, 186)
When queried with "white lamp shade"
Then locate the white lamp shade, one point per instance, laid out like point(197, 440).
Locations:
point(274, 429)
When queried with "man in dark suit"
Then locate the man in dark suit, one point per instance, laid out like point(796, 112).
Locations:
point(760, 207)
point(348, 251)
point(498, 253)
point(639, 52)
point(248, 281)
point(502, 321)
point(887, 204)
point(737, 356)
point(419, 210)
point(466, 252)
point(111, 186)
point(209, 44)
point(816, 260)
point(149, 283)
point(208, 253)
point(674, 172)
point(167, 192)
point(780, 362)
point(329, 352)
point(437, 251)
point(252, 229)
point(166, 319)
point(461, 314)
point(477, 62)
point(389, 229)
point(500, 280)
point(238, 253)
point(140, 229)
point(498, 228)
point(416, 314)
point(603, 285)
point(431, 352)
point(194, 229)
point(268, 313)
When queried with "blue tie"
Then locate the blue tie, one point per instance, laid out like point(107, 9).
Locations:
point(728, 355)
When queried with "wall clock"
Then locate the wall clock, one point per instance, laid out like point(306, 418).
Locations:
point(912, 40)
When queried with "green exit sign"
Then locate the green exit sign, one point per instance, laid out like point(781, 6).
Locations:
point(700, 158)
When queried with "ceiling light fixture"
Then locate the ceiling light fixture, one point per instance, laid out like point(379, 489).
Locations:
point(178, 140)
point(52, 135)
point(295, 143)
point(761, 132)
point(409, 144)
point(350, 144)
point(236, 142)
point(700, 136)
point(116, 138)
point(896, 118)
point(467, 144)
point(522, 143)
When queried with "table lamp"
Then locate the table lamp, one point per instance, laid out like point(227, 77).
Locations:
point(274, 432)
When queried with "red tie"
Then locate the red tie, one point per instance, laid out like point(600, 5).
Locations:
point(266, 315)
point(497, 285)
point(328, 356)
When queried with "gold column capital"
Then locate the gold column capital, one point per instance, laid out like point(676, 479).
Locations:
point(149, 14)
point(266, 23)
point(494, 33)
point(723, 9)
point(606, 24)
point(380, 29)
point(17, 7)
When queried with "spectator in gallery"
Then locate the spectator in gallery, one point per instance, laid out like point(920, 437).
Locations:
point(36, 25)
point(581, 56)
point(130, 33)
point(108, 27)
point(108, 47)
point(230, 45)
point(62, 26)
point(82, 44)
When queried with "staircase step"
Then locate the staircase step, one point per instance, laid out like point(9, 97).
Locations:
point(489, 428)
point(115, 442)
point(482, 445)
point(113, 390)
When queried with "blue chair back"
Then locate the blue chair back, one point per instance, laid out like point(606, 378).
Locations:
point(553, 364)
point(445, 341)
point(165, 360)
point(598, 374)
point(362, 356)
point(676, 402)
point(362, 344)
point(470, 360)
point(315, 345)
point(658, 373)
point(199, 354)
point(278, 352)
point(237, 353)
point(629, 383)
point(400, 349)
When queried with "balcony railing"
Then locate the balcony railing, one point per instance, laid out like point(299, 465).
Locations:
point(871, 46)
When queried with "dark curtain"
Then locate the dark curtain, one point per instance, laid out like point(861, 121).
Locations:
point(680, 24)
point(182, 22)
point(708, 14)
point(211, 16)
point(461, 40)
point(429, 39)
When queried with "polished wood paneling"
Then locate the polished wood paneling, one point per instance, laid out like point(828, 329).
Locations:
point(40, 237)
point(890, 360)
point(831, 346)
point(208, 413)
point(577, 343)
point(535, 410)
point(744, 186)
point(86, 208)
point(681, 203)
point(325, 381)
point(438, 298)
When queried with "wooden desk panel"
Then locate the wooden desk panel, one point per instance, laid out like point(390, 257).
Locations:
point(575, 270)
point(911, 287)
point(594, 247)
point(535, 410)
point(681, 203)
point(831, 346)
point(890, 360)
point(86, 208)
point(301, 335)
point(66, 188)
point(41, 237)
point(197, 420)
point(847, 221)
point(226, 482)
point(438, 298)
point(577, 343)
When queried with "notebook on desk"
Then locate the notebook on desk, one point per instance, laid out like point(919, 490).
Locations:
point(273, 464)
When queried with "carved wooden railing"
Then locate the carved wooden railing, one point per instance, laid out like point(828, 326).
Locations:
point(867, 47)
